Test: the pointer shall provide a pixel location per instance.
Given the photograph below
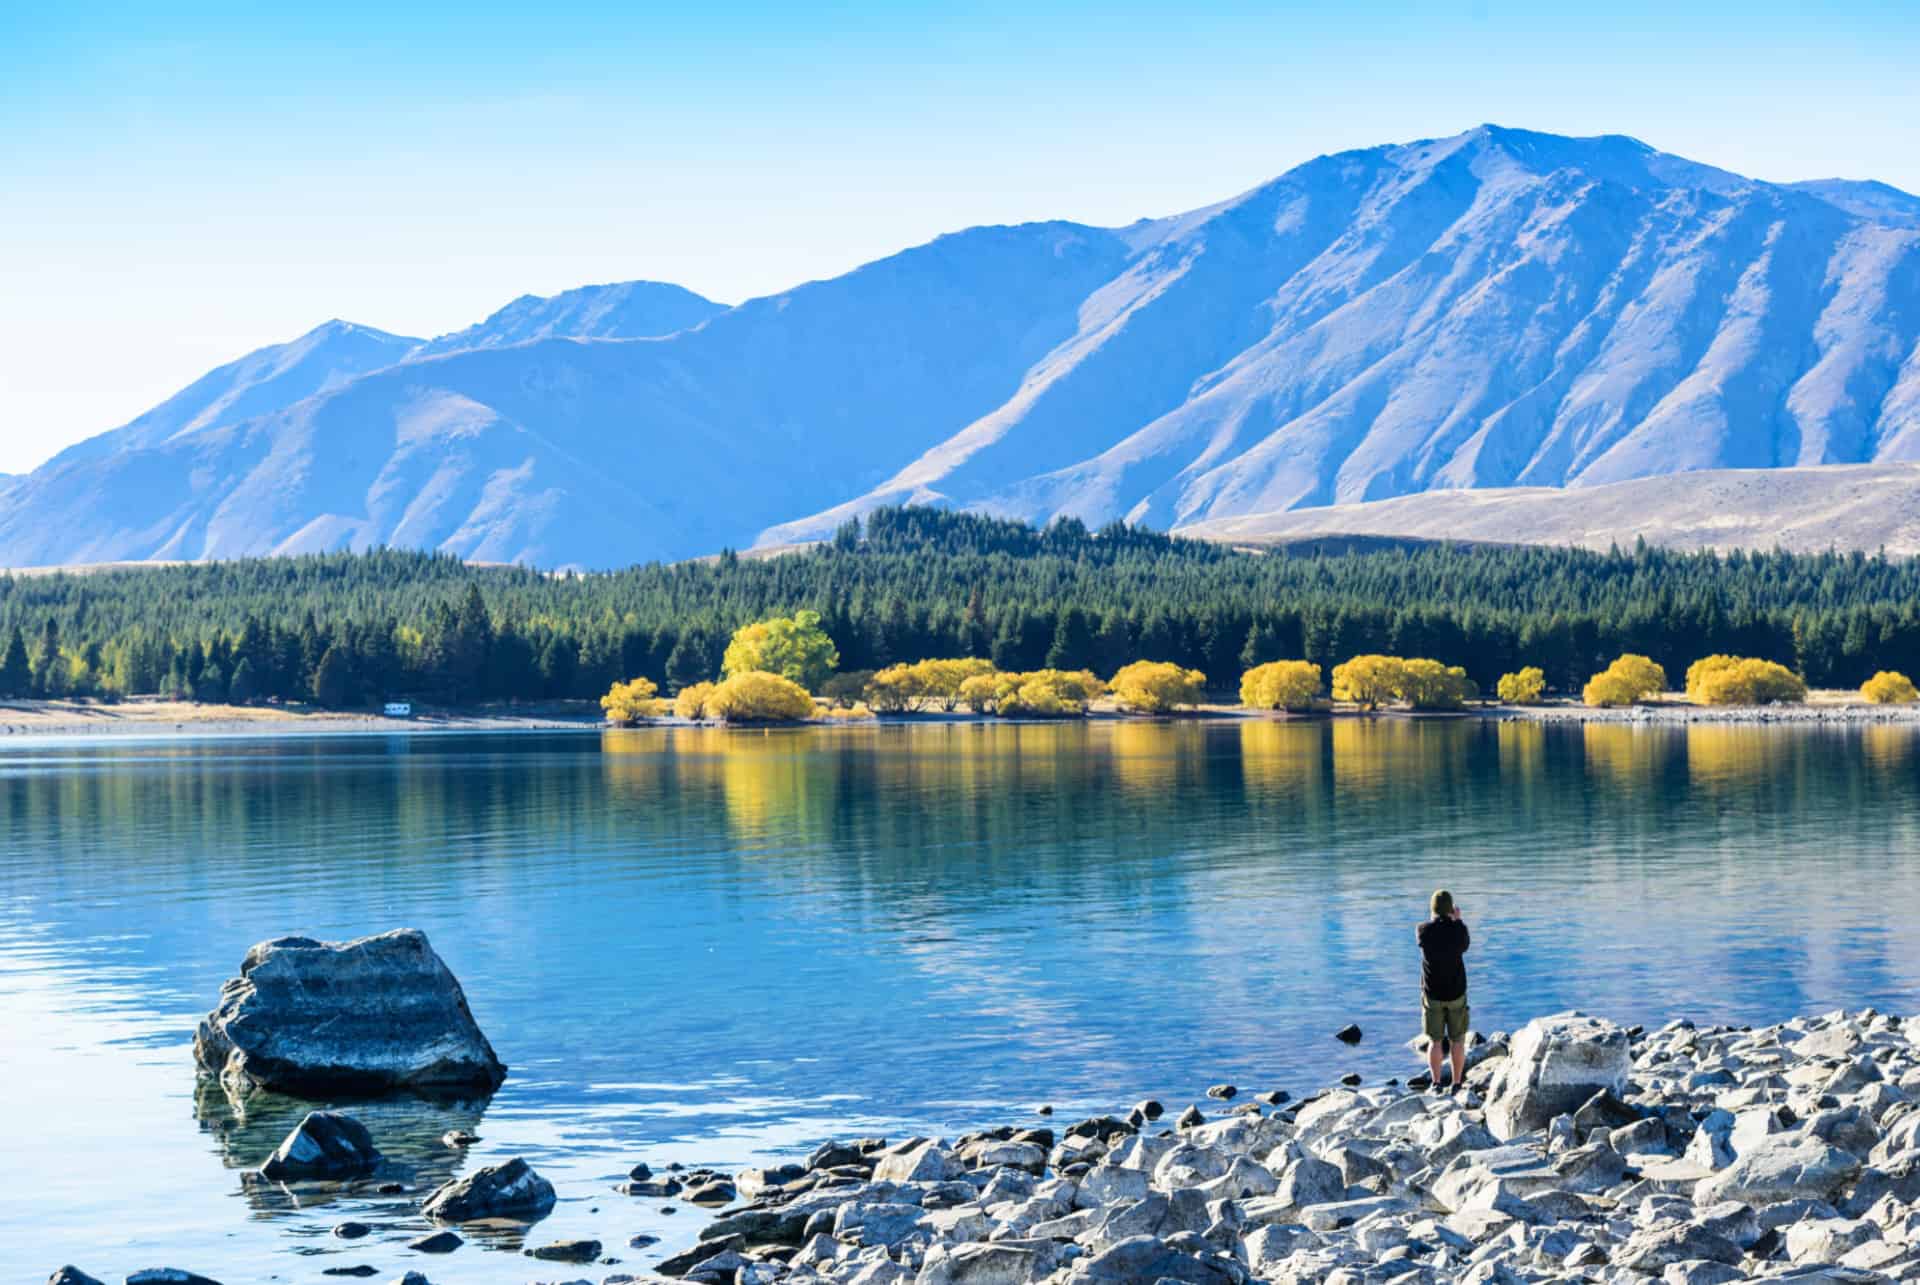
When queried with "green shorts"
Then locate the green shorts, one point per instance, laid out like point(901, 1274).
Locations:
point(1444, 1018)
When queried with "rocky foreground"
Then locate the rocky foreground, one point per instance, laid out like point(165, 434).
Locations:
point(1576, 1150)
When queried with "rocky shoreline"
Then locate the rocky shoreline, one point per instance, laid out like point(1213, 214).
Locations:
point(1576, 1150)
point(1678, 712)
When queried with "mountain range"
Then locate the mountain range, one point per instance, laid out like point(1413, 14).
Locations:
point(1497, 309)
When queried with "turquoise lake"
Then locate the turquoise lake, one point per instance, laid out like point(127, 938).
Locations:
point(720, 947)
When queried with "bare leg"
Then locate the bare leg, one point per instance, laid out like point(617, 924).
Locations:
point(1433, 1060)
point(1459, 1063)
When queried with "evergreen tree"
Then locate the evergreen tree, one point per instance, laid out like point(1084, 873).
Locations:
point(1072, 647)
point(332, 683)
point(243, 688)
point(49, 667)
point(16, 674)
point(690, 662)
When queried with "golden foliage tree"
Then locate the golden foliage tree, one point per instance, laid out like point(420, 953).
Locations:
point(924, 684)
point(1522, 687)
point(1889, 687)
point(1281, 684)
point(794, 647)
point(631, 702)
point(1042, 693)
point(1154, 687)
point(691, 703)
point(1629, 679)
point(1746, 681)
point(1369, 681)
point(1428, 684)
point(759, 697)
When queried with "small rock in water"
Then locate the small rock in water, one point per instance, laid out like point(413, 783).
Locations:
point(1190, 1118)
point(640, 1172)
point(458, 1138)
point(440, 1242)
point(391, 1188)
point(351, 1230)
point(411, 1278)
point(1222, 1091)
point(668, 1209)
point(567, 1251)
point(642, 1241)
point(71, 1275)
point(1043, 1109)
point(1348, 1034)
point(325, 1145)
point(507, 1190)
point(358, 1269)
point(167, 1276)
point(1150, 1108)
point(1273, 1097)
point(1350, 1079)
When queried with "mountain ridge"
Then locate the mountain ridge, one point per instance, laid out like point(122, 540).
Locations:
point(1493, 309)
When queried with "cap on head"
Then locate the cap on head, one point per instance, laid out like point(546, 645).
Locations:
point(1442, 904)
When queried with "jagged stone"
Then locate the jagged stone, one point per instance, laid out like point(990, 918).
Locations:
point(509, 1190)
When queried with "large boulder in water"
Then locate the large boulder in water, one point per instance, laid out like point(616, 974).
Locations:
point(322, 1019)
point(1554, 1066)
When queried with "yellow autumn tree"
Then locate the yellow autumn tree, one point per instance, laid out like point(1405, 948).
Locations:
point(925, 684)
point(1369, 681)
point(1154, 686)
point(1629, 679)
point(631, 702)
point(759, 697)
point(1748, 681)
point(1522, 687)
point(1428, 684)
point(1699, 670)
point(1889, 687)
point(795, 647)
point(691, 703)
point(1281, 684)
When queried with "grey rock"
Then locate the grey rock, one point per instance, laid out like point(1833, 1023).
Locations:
point(1224, 1092)
point(1553, 1066)
point(984, 1263)
point(919, 1161)
point(326, 1019)
point(1348, 1034)
point(566, 1251)
point(71, 1275)
point(1783, 1167)
point(352, 1231)
point(1827, 1240)
point(1190, 1118)
point(508, 1190)
point(167, 1276)
point(439, 1242)
point(1651, 1252)
point(1147, 1258)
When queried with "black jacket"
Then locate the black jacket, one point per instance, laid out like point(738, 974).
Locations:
point(1443, 973)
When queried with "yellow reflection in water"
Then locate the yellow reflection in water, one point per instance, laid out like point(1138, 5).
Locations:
point(1283, 757)
point(1364, 753)
point(1148, 757)
point(1887, 749)
point(1725, 755)
point(1522, 745)
point(1623, 754)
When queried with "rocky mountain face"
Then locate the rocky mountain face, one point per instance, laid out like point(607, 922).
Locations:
point(1496, 309)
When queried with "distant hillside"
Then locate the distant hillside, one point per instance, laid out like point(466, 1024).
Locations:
point(1806, 510)
point(1496, 309)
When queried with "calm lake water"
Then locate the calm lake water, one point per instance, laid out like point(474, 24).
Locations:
point(720, 947)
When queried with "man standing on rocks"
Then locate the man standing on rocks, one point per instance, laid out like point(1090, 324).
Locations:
point(1443, 985)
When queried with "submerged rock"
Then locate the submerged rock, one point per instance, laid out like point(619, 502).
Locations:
point(71, 1275)
point(167, 1276)
point(510, 1190)
point(323, 1019)
point(325, 1145)
point(439, 1242)
point(567, 1251)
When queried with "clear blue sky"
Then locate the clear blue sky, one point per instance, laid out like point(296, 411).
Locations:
point(181, 183)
